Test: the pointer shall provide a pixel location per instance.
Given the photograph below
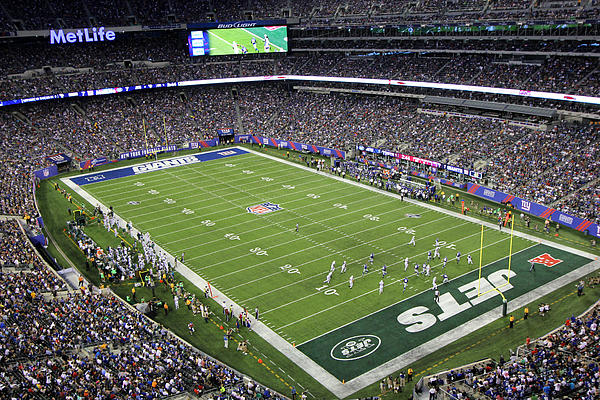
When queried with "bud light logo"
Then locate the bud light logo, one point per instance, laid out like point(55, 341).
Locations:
point(237, 25)
point(525, 205)
point(355, 347)
point(264, 208)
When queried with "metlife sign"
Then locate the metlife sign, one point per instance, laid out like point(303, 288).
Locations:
point(62, 36)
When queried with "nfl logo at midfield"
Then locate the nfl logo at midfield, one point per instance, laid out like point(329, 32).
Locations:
point(263, 208)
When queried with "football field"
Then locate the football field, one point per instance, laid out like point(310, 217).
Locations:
point(265, 233)
point(221, 40)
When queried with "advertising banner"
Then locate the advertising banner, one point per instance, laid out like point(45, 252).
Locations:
point(93, 162)
point(47, 172)
point(235, 24)
point(286, 144)
point(442, 180)
point(538, 210)
point(60, 158)
point(226, 131)
point(141, 153)
point(203, 144)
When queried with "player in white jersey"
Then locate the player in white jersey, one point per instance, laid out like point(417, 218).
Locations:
point(412, 241)
point(267, 44)
point(436, 252)
point(405, 282)
point(253, 41)
point(351, 281)
point(424, 268)
point(458, 257)
point(381, 286)
point(236, 50)
point(343, 269)
point(445, 262)
point(436, 296)
point(328, 279)
point(469, 259)
point(427, 270)
point(406, 263)
point(332, 268)
point(433, 283)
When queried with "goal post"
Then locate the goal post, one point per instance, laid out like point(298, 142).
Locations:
point(507, 283)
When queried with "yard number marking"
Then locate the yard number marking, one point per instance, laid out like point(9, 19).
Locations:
point(258, 251)
point(290, 269)
point(371, 217)
point(327, 292)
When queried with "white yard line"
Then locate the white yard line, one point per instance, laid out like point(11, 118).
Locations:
point(203, 200)
point(117, 185)
point(351, 259)
point(243, 222)
point(321, 274)
point(265, 237)
point(365, 293)
point(133, 190)
point(300, 236)
point(345, 282)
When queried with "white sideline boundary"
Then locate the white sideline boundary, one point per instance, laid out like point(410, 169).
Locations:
point(330, 382)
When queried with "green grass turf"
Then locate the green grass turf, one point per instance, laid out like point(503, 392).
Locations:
point(337, 222)
point(221, 40)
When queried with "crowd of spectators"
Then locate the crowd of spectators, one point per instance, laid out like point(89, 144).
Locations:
point(41, 15)
point(564, 363)
point(89, 344)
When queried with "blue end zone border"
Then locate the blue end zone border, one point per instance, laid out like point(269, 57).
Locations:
point(155, 166)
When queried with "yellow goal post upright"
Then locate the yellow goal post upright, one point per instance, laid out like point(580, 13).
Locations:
point(497, 288)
